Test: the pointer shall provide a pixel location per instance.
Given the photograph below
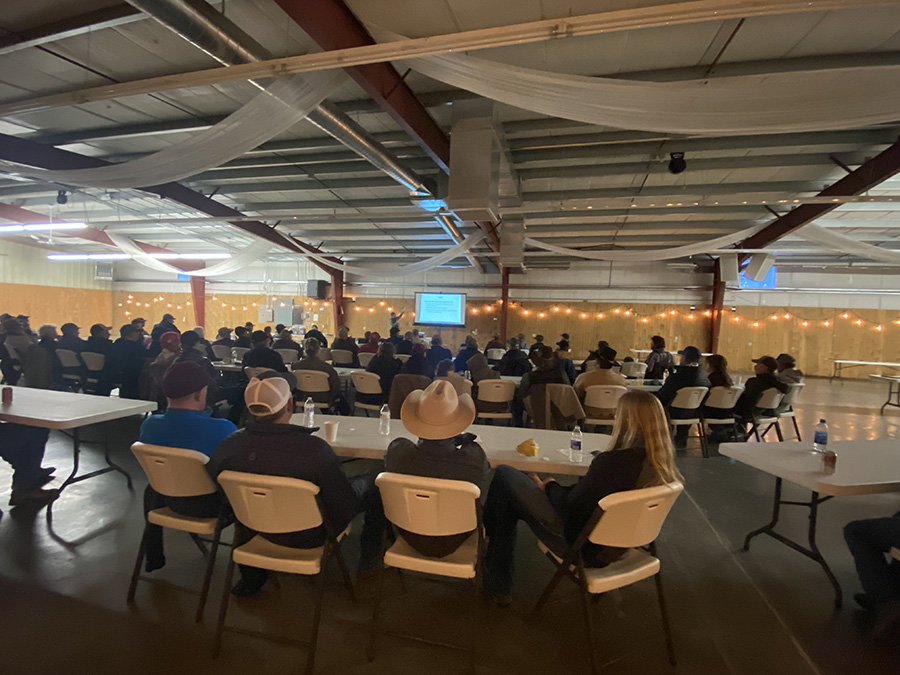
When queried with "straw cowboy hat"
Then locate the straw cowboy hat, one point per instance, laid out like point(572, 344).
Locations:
point(437, 412)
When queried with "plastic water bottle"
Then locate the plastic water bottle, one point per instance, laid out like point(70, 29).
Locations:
point(820, 437)
point(309, 413)
point(468, 375)
point(384, 424)
point(576, 450)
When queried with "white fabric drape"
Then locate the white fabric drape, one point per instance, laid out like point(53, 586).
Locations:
point(249, 255)
point(841, 242)
point(846, 98)
point(287, 101)
point(405, 270)
point(652, 255)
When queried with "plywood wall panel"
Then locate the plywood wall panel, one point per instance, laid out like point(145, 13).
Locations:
point(57, 305)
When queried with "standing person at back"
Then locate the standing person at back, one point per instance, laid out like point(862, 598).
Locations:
point(688, 374)
point(659, 361)
point(439, 418)
point(314, 332)
point(438, 352)
point(166, 325)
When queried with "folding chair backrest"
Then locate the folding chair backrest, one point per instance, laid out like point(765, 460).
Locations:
point(221, 352)
point(237, 353)
point(495, 354)
point(634, 517)
point(341, 357)
point(496, 391)
point(771, 398)
point(461, 385)
point(603, 396)
point(723, 398)
point(312, 381)
point(68, 358)
point(790, 396)
point(365, 357)
point(429, 506)
point(272, 504)
point(255, 372)
point(689, 398)
point(288, 356)
point(403, 357)
point(366, 383)
point(634, 369)
point(174, 472)
point(93, 361)
point(325, 354)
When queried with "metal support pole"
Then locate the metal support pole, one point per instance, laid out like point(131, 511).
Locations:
point(504, 302)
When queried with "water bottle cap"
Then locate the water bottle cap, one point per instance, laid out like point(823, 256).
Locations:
point(821, 421)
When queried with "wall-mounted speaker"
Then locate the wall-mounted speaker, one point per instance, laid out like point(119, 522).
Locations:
point(317, 288)
point(728, 268)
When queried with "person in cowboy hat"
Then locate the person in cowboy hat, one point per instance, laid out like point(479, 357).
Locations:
point(438, 416)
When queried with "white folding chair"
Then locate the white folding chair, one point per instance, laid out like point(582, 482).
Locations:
point(176, 472)
point(277, 505)
point(496, 391)
point(237, 353)
point(691, 398)
point(250, 373)
point(311, 382)
point(771, 398)
point(222, 352)
point(325, 354)
point(888, 615)
point(634, 369)
point(71, 367)
point(785, 409)
point(432, 507)
point(288, 356)
point(724, 399)
point(630, 519)
point(462, 385)
point(602, 398)
point(365, 357)
point(366, 383)
point(341, 357)
point(93, 362)
point(494, 355)
point(403, 357)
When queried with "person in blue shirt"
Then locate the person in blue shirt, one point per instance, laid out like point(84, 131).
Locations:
point(185, 424)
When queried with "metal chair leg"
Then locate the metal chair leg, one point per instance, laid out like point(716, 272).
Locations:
point(778, 433)
point(370, 651)
point(475, 599)
point(142, 550)
point(588, 618)
point(223, 610)
point(210, 564)
point(796, 428)
point(554, 582)
point(317, 615)
point(670, 648)
point(704, 445)
point(339, 555)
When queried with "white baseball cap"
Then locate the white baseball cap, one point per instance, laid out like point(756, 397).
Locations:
point(267, 396)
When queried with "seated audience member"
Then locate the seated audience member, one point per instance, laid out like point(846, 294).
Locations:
point(242, 338)
point(47, 341)
point(417, 363)
point(189, 352)
point(444, 371)
point(438, 417)
point(640, 454)
point(787, 369)
point(385, 366)
point(470, 349)
point(22, 447)
point(870, 541)
point(480, 370)
point(268, 331)
point(249, 327)
point(405, 345)
point(183, 425)
point(495, 343)
point(717, 368)
point(311, 361)
point(595, 355)
point(223, 338)
point(271, 445)
point(547, 372)
point(285, 341)
point(438, 352)
point(536, 347)
point(167, 325)
point(567, 366)
point(262, 355)
point(170, 349)
point(522, 345)
point(394, 337)
point(515, 362)
point(98, 342)
point(126, 360)
point(371, 347)
point(314, 332)
point(139, 323)
point(278, 328)
point(688, 374)
point(347, 343)
point(204, 346)
point(69, 338)
point(603, 375)
point(659, 361)
point(563, 345)
point(364, 340)
point(764, 378)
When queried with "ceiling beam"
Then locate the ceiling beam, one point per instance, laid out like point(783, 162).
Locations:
point(333, 26)
point(27, 152)
point(107, 17)
point(877, 170)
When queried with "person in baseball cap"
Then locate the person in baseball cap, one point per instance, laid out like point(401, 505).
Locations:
point(688, 374)
point(271, 445)
point(765, 378)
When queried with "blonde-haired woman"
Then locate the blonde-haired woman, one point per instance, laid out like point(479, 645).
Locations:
point(639, 455)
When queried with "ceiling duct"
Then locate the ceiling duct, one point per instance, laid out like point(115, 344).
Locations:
point(200, 24)
point(512, 245)
point(474, 162)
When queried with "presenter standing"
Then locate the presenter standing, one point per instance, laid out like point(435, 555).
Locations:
point(395, 319)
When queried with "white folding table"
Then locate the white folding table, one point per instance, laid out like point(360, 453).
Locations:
point(358, 437)
point(863, 467)
point(893, 398)
point(65, 410)
point(840, 364)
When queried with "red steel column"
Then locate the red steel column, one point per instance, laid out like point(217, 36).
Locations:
point(504, 297)
point(198, 299)
point(718, 300)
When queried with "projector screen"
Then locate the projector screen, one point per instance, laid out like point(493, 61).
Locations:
point(441, 309)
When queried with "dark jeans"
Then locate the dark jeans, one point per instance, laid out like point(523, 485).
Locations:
point(203, 506)
point(512, 497)
point(870, 541)
point(370, 539)
point(23, 447)
point(681, 432)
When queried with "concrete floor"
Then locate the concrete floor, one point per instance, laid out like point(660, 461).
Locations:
point(768, 611)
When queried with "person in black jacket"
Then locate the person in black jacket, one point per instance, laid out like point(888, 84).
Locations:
point(262, 355)
point(469, 350)
point(765, 370)
point(417, 363)
point(242, 338)
point(272, 446)
point(98, 342)
point(315, 333)
point(538, 343)
point(514, 362)
point(640, 454)
point(167, 325)
point(688, 374)
point(405, 345)
point(126, 360)
point(438, 352)
point(385, 366)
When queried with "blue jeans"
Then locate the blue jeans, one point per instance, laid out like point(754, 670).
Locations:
point(869, 541)
point(23, 447)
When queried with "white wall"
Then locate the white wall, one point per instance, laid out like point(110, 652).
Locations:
point(24, 264)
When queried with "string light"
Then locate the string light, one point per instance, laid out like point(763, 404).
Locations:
point(556, 309)
point(568, 311)
point(381, 303)
point(879, 328)
point(644, 319)
point(541, 315)
point(583, 315)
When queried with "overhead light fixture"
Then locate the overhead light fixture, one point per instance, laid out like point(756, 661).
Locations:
point(36, 227)
point(88, 256)
point(676, 162)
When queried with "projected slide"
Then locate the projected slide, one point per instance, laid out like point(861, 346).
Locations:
point(441, 309)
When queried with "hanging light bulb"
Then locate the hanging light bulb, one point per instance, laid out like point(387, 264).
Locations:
point(628, 312)
point(737, 319)
point(787, 316)
point(756, 324)
point(556, 309)
point(600, 315)
point(879, 328)
point(845, 315)
point(691, 317)
point(827, 323)
point(672, 312)
point(381, 303)
point(707, 313)
point(569, 310)
point(774, 317)
point(644, 319)
point(805, 324)
point(583, 315)
point(616, 310)
point(525, 312)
